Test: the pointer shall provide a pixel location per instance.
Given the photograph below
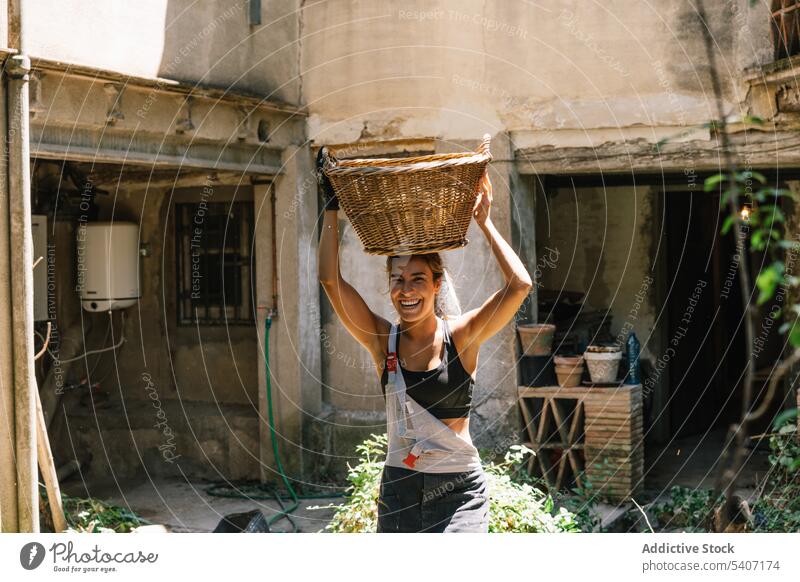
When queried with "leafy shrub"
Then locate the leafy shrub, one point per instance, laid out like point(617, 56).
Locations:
point(582, 504)
point(515, 505)
point(784, 446)
point(359, 513)
point(89, 515)
point(778, 508)
point(686, 509)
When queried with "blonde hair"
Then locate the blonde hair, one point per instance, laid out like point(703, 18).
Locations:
point(447, 305)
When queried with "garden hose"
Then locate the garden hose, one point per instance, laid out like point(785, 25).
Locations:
point(258, 491)
point(295, 502)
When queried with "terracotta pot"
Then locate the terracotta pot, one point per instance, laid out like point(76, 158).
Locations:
point(603, 366)
point(569, 375)
point(536, 338)
point(568, 360)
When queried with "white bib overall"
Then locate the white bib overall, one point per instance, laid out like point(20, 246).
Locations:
point(417, 439)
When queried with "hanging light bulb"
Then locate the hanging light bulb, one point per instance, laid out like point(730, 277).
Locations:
point(744, 213)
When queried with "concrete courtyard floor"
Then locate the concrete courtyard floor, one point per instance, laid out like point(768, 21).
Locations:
point(693, 462)
point(185, 507)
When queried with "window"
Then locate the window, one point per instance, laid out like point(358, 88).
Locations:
point(785, 28)
point(215, 270)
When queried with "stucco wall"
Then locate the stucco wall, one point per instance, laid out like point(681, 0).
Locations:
point(456, 69)
point(193, 390)
point(208, 41)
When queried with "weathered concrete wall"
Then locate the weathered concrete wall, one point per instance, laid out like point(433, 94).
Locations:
point(209, 42)
point(583, 71)
point(191, 391)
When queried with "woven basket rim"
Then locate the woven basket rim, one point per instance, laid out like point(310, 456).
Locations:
point(350, 166)
point(416, 166)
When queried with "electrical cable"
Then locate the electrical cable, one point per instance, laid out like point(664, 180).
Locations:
point(101, 350)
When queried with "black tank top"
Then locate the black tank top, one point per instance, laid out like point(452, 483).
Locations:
point(445, 391)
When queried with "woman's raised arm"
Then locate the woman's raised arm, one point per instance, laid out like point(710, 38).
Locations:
point(351, 308)
point(485, 321)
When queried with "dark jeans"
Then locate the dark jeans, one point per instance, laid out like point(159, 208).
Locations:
point(411, 501)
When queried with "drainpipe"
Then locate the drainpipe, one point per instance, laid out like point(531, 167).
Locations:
point(8, 480)
point(19, 186)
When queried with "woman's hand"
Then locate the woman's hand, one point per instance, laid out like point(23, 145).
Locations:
point(324, 184)
point(484, 202)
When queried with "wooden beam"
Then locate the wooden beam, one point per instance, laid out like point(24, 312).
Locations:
point(124, 147)
point(750, 148)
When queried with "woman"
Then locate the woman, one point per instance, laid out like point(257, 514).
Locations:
point(432, 479)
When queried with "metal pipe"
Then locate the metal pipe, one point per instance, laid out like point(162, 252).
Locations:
point(18, 71)
point(274, 236)
point(8, 480)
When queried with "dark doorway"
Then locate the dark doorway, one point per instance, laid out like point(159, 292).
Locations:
point(705, 348)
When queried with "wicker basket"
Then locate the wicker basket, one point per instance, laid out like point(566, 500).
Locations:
point(402, 206)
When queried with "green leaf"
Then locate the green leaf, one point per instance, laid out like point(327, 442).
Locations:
point(784, 417)
point(794, 336)
point(712, 181)
point(768, 280)
point(728, 194)
point(757, 241)
point(730, 220)
point(743, 177)
point(770, 209)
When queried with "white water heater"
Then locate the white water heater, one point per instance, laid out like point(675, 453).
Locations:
point(108, 265)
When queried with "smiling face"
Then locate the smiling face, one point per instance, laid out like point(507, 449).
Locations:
point(413, 288)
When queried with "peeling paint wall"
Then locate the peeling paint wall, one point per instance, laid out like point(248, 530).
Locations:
point(454, 69)
point(208, 41)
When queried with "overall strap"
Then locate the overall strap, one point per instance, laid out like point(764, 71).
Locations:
point(391, 355)
point(396, 387)
point(397, 398)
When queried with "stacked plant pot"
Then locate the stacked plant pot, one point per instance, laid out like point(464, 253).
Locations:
point(569, 370)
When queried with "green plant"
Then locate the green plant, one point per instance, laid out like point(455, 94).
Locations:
point(515, 504)
point(359, 512)
point(89, 515)
point(778, 507)
point(686, 509)
point(583, 504)
point(758, 223)
point(785, 446)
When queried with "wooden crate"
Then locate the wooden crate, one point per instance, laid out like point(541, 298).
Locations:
point(585, 433)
